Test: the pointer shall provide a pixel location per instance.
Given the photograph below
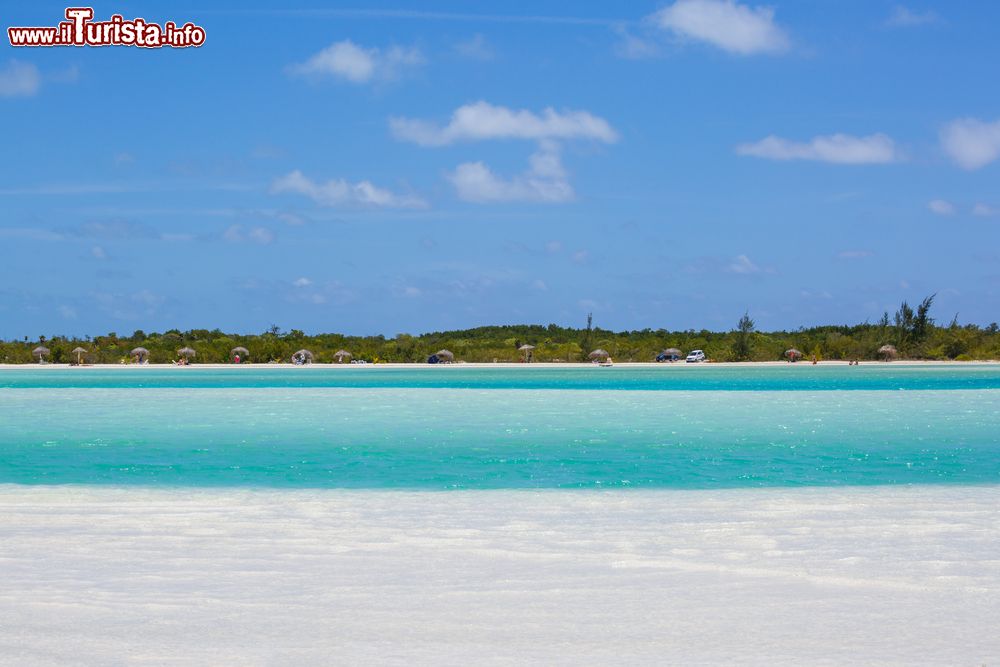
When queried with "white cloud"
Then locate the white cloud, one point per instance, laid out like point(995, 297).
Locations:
point(633, 47)
point(338, 192)
point(350, 62)
point(742, 264)
point(984, 210)
point(239, 234)
point(971, 143)
point(68, 312)
point(941, 207)
point(905, 18)
point(98, 252)
point(482, 120)
point(725, 24)
point(475, 48)
point(261, 235)
point(19, 79)
point(302, 282)
point(834, 148)
point(544, 181)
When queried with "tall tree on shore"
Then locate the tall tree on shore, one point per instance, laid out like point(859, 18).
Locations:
point(912, 327)
point(741, 345)
point(587, 333)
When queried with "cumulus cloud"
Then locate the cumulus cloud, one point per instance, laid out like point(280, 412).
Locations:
point(903, 17)
point(834, 148)
point(482, 121)
point(19, 79)
point(984, 210)
point(725, 24)
point(544, 181)
point(302, 282)
point(350, 62)
point(941, 207)
point(971, 143)
point(338, 192)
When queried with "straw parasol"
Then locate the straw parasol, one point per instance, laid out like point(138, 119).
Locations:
point(598, 354)
point(40, 351)
point(445, 354)
point(339, 355)
point(302, 357)
point(241, 351)
point(793, 354)
point(526, 348)
point(888, 352)
point(186, 352)
point(79, 352)
point(140, 354)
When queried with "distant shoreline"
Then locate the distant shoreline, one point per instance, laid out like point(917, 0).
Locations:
point(533, 365)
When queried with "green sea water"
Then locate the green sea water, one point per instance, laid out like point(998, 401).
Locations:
point(477, 428)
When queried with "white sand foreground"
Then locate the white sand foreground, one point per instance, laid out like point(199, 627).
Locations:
point(113, 576)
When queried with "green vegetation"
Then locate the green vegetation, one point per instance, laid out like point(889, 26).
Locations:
point(912, 332)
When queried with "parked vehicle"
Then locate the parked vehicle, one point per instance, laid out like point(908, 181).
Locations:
point(695, 356)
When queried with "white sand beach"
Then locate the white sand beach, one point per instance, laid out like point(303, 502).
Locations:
point(889, 575)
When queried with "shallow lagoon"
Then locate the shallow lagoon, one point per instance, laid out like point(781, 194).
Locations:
point(490, 428)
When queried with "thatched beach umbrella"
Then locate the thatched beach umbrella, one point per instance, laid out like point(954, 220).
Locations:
point(40, 352)
point(340, 355)
point(140, 354)
point(598, 354)
point(888, 352)
point(526, 350)
point(445, 354)
point(241, 352)
point(186, 352)
point(302, 357)
point(793, 354)
point(79, 352)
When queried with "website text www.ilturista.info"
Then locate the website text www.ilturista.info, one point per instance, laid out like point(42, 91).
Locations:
point(79, 29)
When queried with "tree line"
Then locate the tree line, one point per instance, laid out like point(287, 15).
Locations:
point(912, 331)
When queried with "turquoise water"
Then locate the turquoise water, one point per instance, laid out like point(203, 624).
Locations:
point(446, 428)
point(788, 377)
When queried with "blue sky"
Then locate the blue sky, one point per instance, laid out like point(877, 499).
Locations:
point(405, 168)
